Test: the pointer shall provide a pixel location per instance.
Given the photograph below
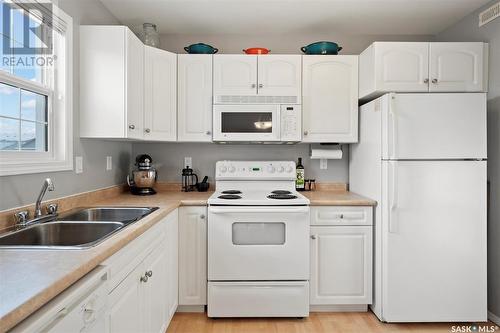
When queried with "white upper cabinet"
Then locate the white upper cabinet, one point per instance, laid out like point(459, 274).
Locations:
point(194, 108)
point(265, 79)
point(422, 67)
point(330, 98)
point(279, 75)
point(160, 95)
point(458, 67)
point(111, 83)
point(234, 75)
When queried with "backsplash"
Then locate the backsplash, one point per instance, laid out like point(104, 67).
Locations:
point(169, 158)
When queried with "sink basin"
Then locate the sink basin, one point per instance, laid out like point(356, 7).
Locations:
point(109, 214)
point(60, 234)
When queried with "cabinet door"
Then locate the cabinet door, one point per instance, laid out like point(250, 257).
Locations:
point(280, 75)
point(194, 109)
point(134, 81)
point(234, 75)
point(172, 267)
point(193, 256)
point(402, 67)
point(330, 98)
point(341, 265)
point(155, 303)
point(457, 67)
point(160, 89)
point(125, 311)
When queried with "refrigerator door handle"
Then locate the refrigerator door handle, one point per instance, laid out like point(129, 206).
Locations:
point(394, 128)
point(393, 223)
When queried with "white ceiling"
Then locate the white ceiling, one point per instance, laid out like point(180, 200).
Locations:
point(257, 17)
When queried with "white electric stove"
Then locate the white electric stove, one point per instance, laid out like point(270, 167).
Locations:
point(258, 242)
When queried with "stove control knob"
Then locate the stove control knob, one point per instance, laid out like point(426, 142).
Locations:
point(271, 169)
point(289, 169)
point(281, 169)
point(222, 168)
point(232, 169)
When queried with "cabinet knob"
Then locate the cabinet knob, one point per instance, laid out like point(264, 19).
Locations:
point(131, 127)
point(202, 216)
point(208, 132)
point(426, 80)
point(434, 81)
point(306, 132)
point(253, 85)
point(261, 85)
point(149, 273)
point(313, 237)
point(144, 278)
point(147, 130)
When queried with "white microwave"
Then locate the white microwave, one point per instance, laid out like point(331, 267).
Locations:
point(257, 123)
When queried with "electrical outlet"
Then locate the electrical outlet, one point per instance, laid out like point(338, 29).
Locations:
point(109, 163)
point(188, 161)
point(78, 164)
point(323, 164)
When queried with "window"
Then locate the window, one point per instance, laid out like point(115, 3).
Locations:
point(35, 87)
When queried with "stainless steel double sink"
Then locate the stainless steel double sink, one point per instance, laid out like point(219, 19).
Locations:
point(77, 229)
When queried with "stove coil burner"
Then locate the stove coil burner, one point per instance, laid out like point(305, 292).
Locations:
point(281, 192)
point(231, 192)
point(229, 196)
point(282, 196)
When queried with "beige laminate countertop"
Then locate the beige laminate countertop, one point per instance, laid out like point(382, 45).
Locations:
point(31, 278)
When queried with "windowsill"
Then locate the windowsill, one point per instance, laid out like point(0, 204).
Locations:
point(35, 167)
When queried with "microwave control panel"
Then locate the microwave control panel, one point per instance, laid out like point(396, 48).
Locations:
point(291, 120)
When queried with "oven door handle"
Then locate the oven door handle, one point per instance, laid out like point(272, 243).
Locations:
point(303, 210)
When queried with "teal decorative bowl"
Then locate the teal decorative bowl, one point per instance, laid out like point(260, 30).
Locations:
point(321, 48)
point(200, 48)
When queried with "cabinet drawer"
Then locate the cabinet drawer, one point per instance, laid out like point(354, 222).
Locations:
point(342, 215)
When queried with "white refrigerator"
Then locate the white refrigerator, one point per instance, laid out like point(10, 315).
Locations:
point(423, 158)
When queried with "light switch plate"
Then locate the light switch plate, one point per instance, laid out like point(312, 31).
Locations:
point(78, 164)
point(188, 161)
point(323, 164)
point(109, 163)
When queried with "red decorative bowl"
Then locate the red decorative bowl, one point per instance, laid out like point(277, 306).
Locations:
point(257, 50)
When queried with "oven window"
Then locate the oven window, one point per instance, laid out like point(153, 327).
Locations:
point(266, 233)
point(247, 122)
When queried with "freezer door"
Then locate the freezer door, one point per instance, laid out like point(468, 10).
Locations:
point(434, 241)
point(434, 126)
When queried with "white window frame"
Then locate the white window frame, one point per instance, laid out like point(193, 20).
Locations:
point(59, 156)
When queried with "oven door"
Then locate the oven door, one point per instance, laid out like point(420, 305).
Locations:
point(258, 243)
point(246, 123)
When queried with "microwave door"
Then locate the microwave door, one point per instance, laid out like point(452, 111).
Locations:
point(246, 123)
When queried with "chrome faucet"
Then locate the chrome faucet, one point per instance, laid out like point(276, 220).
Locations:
point(47, 185)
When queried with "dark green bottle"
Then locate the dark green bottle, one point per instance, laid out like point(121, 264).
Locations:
point(300, 180)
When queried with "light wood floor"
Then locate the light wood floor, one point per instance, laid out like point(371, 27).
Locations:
point(360, 322)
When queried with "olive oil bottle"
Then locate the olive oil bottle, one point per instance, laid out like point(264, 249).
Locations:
point(300, 180)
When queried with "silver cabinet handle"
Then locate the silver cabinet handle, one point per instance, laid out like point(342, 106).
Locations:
point(426, 80)
point(261, 85)
point(434, 81)
point(208, 132)
point(306, 132)
point(202, 216)
point(131, 126)
point(253, 85)
point(149, 273)
point(341, 216)
point(313, 237)
point(147, 130)
point(144, 278)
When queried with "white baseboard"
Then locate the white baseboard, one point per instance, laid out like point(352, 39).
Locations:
point(494, 318)
point(339, 308)
point(191, 308)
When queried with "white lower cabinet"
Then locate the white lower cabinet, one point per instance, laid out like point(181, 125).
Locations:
point(341, 258)
point(193, 255)
point(146, 298)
